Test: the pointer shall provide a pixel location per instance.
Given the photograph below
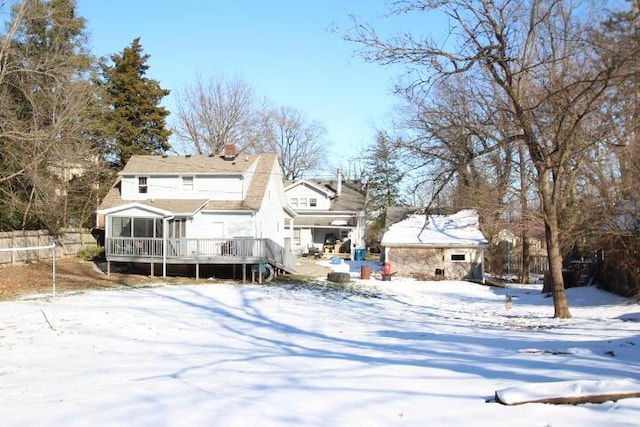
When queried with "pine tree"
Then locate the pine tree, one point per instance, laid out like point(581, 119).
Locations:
point(384, 182)
point(135, 122)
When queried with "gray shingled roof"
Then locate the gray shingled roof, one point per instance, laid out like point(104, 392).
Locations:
point(156, 165)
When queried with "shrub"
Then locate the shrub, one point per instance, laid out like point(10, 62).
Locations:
point(91, 253)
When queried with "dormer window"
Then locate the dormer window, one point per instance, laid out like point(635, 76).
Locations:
point(142, 185)
point(313, 202)
point(187, 183)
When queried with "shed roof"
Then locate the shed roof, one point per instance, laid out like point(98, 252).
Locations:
point(420, 230)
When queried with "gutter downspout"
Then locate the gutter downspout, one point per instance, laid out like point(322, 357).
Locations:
point(165, 232)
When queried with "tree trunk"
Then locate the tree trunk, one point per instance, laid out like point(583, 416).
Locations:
point(526, 256)
point(552, 231)
point(524, 216)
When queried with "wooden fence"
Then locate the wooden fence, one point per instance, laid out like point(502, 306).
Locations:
point(70, 242)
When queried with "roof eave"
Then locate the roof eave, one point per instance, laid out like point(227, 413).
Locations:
point(435, 245)
point(139, 205)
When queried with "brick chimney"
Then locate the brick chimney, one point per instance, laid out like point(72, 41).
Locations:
point(229, 151)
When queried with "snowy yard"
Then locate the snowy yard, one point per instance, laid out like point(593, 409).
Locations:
point(382, 353)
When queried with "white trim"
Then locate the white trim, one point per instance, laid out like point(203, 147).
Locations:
point(139, 205)
point(311, 185)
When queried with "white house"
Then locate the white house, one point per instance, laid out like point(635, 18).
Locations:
point(327, 212)
point(437, 246)
point(199, 210)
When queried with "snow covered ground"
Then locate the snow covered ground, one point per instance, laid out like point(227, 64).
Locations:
point(376, 354)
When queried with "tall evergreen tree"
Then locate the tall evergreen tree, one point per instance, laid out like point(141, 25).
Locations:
point(384, 182)
point(135, 122)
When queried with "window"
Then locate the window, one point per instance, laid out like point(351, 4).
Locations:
point(147, 227)
point(142, 185)
point(313, 202)
point(303, 203)
point(187, 183)
point(294, 202)
point(177, 228)
point(296, 236)
point(120, 226)
point(136, 227)
point(458, 257)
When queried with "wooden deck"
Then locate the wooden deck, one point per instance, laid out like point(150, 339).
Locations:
point(233, 251)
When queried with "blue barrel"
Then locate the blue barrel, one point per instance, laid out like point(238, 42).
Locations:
point(359, 254)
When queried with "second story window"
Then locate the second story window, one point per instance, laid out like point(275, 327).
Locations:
point(313, 202)
point(187, 183)
point(294, 202)
point(142, 185)
point(303, 203)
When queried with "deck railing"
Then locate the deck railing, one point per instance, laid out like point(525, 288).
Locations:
point(189, 250)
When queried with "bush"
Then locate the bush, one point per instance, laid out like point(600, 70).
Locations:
point(91, 253)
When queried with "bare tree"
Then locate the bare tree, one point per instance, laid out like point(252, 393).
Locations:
point(215, 111)
point(455, 149)
point(611, 181)
point(298, 142)
point(553, 80)
point(47, 101)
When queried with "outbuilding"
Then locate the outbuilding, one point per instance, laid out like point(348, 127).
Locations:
point(430, 246)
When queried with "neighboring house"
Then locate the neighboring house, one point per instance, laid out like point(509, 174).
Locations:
point(437, 246)
point(67, 171)
point(506, 253)
point(330, 215)
point(199, 210)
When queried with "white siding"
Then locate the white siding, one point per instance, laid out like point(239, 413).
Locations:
point(469, 268)
point(218, 188)
point(304, 192)
point(163, 187)
point(129, 188)
point(271, 215)
point(207, 225)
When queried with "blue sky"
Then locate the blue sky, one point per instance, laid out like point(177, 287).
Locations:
point(283, 48)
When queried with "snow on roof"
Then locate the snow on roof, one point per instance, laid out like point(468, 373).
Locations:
point(459, 229)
